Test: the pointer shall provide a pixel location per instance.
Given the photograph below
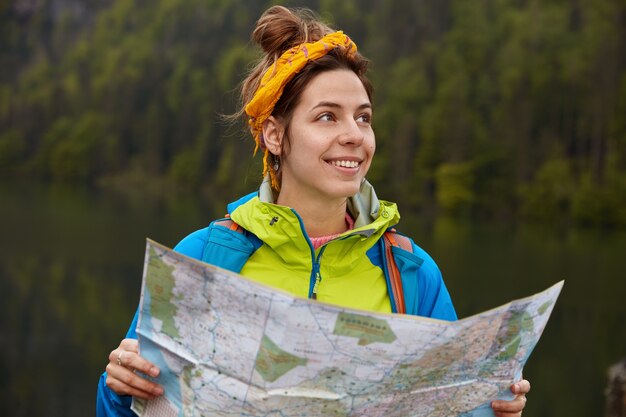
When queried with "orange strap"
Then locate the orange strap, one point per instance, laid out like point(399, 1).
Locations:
point(399, 240)
point(390, 239)
point(229, 224)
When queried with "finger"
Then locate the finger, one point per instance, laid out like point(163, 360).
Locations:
point(497, 414)
point(514, 406)
point(122, 389)
point(131, 345)
point(124, 381)
point(130, 359)
point(135, 361)
point(521, 387)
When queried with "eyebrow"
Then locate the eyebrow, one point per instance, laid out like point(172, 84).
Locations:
point(337, 105)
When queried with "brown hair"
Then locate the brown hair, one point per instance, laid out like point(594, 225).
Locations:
point(280, 29)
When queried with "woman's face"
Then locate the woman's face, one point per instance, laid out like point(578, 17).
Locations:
point(331, 141)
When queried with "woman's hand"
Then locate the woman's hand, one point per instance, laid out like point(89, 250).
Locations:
point(121, 375)
point(514, 407)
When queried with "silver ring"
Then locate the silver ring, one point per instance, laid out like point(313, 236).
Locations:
point(119, 358)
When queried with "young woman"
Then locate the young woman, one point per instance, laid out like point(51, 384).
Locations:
point(315, 227)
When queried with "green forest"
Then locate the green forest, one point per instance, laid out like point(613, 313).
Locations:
point(512, 109)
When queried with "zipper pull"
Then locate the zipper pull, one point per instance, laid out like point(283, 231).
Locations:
point(318, 278)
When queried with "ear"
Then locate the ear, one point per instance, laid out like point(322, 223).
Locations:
point(273, 134)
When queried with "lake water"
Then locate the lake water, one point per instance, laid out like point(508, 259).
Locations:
point(70, 274)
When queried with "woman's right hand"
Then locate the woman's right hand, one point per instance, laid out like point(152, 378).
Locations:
point(121, 375)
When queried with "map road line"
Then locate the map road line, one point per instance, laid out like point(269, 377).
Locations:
point(440, 387)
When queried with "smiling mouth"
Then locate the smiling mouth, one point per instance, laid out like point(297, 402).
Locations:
point(345, 164)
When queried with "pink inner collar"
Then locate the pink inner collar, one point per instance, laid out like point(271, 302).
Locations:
point(319, 241)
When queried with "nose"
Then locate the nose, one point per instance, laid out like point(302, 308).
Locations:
point(352, 134)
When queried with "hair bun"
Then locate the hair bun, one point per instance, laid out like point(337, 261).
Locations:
point(280, 28)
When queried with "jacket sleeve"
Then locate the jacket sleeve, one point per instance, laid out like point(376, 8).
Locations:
point(434, 299)
point(110, 404)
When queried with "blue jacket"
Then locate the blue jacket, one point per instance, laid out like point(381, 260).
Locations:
point(425, 293)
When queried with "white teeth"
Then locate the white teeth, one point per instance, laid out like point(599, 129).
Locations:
point(345, 164)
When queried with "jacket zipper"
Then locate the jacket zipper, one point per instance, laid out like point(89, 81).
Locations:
point(316, 277)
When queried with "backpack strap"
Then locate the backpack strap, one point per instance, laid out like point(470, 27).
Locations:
point(393, 239)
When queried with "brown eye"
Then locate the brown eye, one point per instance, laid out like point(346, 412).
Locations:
point(364, 118)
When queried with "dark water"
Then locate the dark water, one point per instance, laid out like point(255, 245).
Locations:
point(70, 271)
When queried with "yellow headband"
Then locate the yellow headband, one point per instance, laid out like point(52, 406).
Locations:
point(274, 80)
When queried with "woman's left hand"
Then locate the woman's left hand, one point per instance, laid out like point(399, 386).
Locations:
point(514, 407)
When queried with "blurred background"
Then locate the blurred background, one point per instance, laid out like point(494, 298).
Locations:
point(501, 133)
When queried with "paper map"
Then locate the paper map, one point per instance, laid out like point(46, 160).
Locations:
point(227, 346)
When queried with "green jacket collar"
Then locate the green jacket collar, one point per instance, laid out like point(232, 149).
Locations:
point(281, 228)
